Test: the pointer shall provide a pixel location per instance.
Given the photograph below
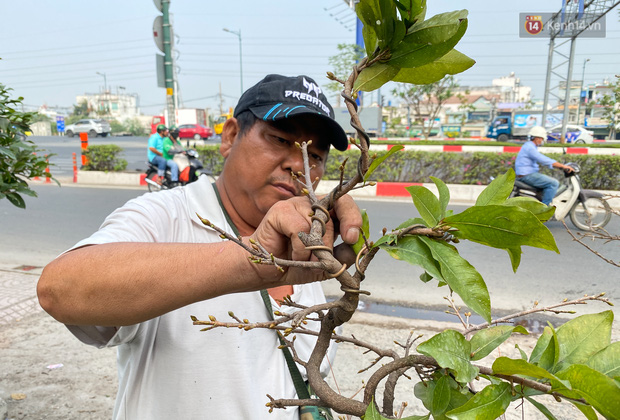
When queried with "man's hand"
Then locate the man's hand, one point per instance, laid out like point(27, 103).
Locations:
point(278, 231)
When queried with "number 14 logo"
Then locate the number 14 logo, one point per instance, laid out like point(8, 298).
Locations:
point(533, 24)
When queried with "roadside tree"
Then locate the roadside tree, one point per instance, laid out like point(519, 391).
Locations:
point(575, 363)
point(341, 64)
point(426, 101)
point(611, 107)
point(18, 159)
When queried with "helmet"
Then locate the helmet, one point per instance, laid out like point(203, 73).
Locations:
point(538, 132)
point(161, 127)
point(174, 132)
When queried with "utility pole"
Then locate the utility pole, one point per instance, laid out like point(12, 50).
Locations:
point(221, 100)
point(168, 65)
point(583, 75)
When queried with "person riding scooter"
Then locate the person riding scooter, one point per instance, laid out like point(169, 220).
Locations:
point(187, 160)
point(528, 164)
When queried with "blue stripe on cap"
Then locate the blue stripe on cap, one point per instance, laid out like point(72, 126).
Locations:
point(271, 110)
point(294, 108)
point(276, 114)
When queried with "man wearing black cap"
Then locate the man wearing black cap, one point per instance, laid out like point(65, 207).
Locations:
point(135, 283)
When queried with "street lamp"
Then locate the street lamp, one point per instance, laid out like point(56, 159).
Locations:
point(583, 75)
point(238, 33)
point(105, 83)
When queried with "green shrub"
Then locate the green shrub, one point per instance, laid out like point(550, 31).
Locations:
point(600, 172)
point(104, 158)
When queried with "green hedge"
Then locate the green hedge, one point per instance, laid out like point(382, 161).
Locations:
point(600, 172)
point(104, 158)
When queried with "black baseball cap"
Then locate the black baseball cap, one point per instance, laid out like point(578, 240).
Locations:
point(277, 97)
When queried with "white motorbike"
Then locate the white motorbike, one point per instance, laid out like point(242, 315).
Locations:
point(586, 208)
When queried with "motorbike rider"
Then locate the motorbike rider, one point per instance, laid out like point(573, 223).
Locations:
point(528, 163)
point(156, 155)
point(172, 145)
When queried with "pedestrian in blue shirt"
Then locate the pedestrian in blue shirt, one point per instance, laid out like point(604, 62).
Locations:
point(528, 163)
point(156, 157)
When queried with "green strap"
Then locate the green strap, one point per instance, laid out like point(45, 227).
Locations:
point(298, 381)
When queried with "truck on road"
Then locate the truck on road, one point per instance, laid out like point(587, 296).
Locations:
point(517, 124)
point(182, 116)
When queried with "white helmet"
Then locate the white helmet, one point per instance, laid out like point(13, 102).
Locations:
point(538, 131)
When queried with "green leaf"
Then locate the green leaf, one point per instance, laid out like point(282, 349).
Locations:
point(372, 413)
point(502, 227)
point(541, 345)
point(597, 389)
point(425, 277)
point(444, 195)
point(439, 28)
point(7, 152)
point(607, 361)
point(587, 410)
point(487, 340)
point(521, 352)
point(376, 162)
point(357, 247)
point(453, 62)
point(375, 76)
point(415, 50)
point(498, 190)
point(538, 209)
point(515, 257)
point(541, 408)
point(424, 392)
point(426, 203)
point(451, 351)
point(441, 396)
point(16, 200)
point(414, 251)
point(584, 336)
point(461, 276)
point(488, 404)
point(507, 366)
point(370, 40)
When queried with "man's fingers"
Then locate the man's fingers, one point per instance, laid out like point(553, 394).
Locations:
point(345, 254)
point(349, 218)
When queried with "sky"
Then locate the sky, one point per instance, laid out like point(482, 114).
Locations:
point(52, 51)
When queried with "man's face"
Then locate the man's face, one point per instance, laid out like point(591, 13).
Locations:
point(259, 164)
point(539, 141)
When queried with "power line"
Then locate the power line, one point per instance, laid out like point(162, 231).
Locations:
point(101, 62)
point(77, 46)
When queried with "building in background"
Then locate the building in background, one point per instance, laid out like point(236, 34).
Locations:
point(108, 105)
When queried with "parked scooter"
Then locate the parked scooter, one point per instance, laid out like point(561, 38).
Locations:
point(190, 169)
point(587, 208)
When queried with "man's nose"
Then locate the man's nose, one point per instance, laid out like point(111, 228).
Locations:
point(294, 161)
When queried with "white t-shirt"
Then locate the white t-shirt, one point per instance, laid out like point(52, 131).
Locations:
point(167, 368)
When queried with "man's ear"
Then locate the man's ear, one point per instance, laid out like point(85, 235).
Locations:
point(230, 131)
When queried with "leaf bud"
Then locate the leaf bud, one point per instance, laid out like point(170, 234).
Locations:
point(231, 314)
point(245, 321)
point(330, 75)
point(212, 318)
point(193, 318)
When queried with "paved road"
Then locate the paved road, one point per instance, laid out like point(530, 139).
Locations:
point(134, 151)
point(62, 216)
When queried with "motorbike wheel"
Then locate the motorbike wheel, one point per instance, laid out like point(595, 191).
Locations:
point(153, 177)
point(592, 214)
